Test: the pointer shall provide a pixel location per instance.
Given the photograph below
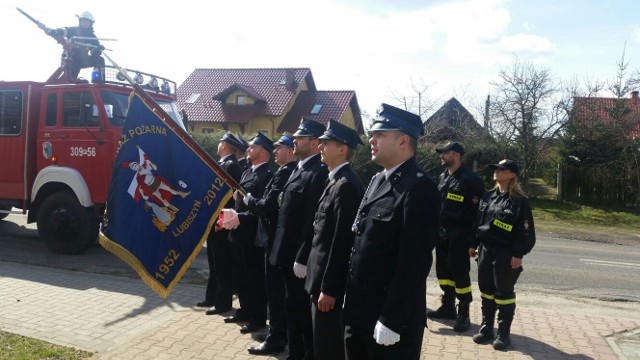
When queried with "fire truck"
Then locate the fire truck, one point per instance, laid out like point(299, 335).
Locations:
point(59, 140)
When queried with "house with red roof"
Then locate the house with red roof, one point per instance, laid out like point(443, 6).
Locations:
point(271, 101)
point(626, 112)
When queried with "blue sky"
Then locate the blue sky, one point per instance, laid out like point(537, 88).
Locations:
point(377, 48)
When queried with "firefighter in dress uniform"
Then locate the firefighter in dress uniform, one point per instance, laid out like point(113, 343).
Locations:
point(396, 229)
point(248, 255)
point(219, 292)
point(332, 240)
point(504, 235)
point(292, 242)
point(267, 207)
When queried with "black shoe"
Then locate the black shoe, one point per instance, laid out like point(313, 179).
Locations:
point(249, 328)
point(266, 348)
point(261, 337)
point(236, 318)
point(205, 304)
point(214, 310)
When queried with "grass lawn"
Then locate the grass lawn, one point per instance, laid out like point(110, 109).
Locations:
point(16, 347)
point(581, 221)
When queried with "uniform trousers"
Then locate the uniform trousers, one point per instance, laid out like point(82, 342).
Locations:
point(276, 303)
point(219, 286)
point(249, 266)
point(299, 328)
point(495, 275)
point(453, 264)
point(328, 331)
point(360, 344)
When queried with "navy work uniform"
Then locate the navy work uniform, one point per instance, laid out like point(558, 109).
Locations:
point(460, 194)
point(505, 229)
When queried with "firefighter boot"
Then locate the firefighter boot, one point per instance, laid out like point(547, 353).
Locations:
point(447, 309)
point(462, 321)
point(485, 334)
point(505, 317)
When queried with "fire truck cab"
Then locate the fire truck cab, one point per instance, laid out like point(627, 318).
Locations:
point(59, 140)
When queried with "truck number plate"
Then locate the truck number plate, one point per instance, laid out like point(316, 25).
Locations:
point(82, 151)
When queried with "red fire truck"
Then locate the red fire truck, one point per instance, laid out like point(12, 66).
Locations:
point(58, 140)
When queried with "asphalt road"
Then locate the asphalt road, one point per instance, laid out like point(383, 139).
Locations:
point(556, 266)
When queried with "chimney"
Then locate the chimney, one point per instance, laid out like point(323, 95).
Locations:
point(634, 95)
point(290, 79)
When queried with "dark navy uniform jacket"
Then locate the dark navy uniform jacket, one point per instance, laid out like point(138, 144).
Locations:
point(267, 206)
point(254, 182)
point(333, 238)
point(230, 165)
point(396, 230)
point(299, 197)
point(505, 221)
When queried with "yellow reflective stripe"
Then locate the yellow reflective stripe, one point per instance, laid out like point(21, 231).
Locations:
point(506, 302)
point(463, 290)
point(502, 225)
point(486, 296)
point(447, 282)
point(455, 197)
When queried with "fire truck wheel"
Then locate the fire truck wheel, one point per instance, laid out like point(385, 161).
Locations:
point(64, 225)
point(5, 208)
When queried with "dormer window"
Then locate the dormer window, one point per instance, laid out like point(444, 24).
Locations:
point(316, 109)
point(241, 99)
point(193, 98)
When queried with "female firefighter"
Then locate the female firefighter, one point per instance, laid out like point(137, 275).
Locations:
point(504, 234)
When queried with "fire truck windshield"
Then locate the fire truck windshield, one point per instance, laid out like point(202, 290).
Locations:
point(117, 105)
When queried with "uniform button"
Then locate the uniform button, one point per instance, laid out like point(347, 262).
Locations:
point(379, 216)
point(359, 233)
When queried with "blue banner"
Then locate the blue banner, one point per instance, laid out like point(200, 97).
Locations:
point(163, 199)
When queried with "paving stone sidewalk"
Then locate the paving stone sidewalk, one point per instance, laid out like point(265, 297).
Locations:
point(120, 318)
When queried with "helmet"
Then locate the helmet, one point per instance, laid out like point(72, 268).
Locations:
point(86, 15)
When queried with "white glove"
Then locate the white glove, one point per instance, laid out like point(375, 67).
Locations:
point(300, 270)
point(384, 335)
point(230, 219)
point(245, 199)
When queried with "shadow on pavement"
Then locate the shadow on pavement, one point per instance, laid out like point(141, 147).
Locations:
point(524, 345)
point(22, 245)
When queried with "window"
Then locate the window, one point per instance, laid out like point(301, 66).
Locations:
point(51, 115)
point(193, 98)
point(316, 109)
point(10, 112)
point(241, 99)
point(118, 105)
point(77, 110)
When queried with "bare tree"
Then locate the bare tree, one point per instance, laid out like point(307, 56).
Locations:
point(528, 109)
point(418, 101)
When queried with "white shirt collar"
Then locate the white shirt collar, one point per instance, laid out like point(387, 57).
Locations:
point(333, 172)
point(254, 167)
point(302, 162)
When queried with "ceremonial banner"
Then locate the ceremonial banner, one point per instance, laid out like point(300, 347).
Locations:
point(163, 199)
